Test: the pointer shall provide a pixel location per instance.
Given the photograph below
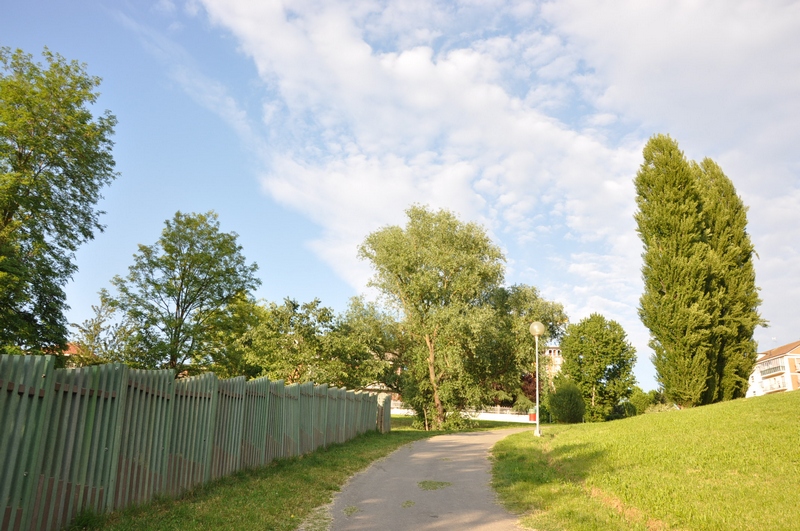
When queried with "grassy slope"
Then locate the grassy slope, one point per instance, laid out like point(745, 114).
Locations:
point(727, 466)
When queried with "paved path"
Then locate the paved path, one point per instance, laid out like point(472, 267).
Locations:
point(391, 494)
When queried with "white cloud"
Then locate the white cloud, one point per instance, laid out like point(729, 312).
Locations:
point(527, 117)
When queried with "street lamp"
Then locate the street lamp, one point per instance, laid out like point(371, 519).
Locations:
point(537, 329)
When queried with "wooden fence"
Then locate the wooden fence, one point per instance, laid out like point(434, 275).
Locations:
point(106, 437)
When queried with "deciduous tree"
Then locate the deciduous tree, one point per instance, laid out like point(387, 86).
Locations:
point(178, 289)
point(439, 272)
point(55, 157)
point(599, 360)
point(307, 342)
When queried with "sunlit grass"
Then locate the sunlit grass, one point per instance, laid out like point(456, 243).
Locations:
point(723, 467)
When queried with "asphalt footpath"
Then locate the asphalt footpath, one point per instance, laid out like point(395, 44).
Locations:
point(432, 484)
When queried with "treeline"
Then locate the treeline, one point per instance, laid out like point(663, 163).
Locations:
point(460, 341)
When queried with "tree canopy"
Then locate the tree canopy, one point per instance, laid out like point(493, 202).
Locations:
point(177, 293)
point(599, 359)
point(439, 271)
point(55, 157)
point(465, 335)
point(700, 300)
point(308, 342)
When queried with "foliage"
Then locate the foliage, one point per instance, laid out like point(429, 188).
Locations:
point(565, 402)
point(640, 400)
point(462, 339)
point(599, 360)
point(732, 285)
point(518, 306)
point(101, 338)
point(55, 157)
point(227, 346)
point(177, 294)
point(682, 470)
point(440, 272)
point(700, 300)
point(308, 342)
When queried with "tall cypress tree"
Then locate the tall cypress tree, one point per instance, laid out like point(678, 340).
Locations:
point(733, 284)
point(700, 299)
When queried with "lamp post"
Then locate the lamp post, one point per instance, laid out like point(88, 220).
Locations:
point(537, 329)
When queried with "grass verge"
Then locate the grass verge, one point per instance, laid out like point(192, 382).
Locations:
point(277, 497)
point(731, 466)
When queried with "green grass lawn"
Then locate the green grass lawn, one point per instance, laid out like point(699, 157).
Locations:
point(277, 497)
point(727, 466)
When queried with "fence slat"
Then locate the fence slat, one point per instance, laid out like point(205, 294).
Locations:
point(145, 432)
point(255, 429)
point(320, 414)
point(228, 428)
point(191, 446)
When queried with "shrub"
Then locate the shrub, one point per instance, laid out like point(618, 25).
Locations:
point(566, 403)
point(641, 400)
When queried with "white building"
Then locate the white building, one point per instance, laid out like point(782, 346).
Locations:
point(776, 370)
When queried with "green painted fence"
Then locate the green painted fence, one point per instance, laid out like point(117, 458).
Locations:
point(146, 428)
point(107, 437)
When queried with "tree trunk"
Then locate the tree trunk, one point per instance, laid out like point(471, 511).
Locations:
point(432, 375)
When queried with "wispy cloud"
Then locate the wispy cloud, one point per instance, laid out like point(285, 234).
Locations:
point(182, 68)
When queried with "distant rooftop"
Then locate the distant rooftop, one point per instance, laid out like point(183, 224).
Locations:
point(779, 351)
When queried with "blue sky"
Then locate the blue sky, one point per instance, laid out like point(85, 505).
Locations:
point(308, 125)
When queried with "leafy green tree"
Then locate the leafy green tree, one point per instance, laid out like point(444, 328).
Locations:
point(439, 273)
point(287, 342)
point(599, 360)
point(566, 402)
point(308, 342)
point(178, 290)
point(228, 347)
point(700, 300)
point(365, 345)
point(55, 157)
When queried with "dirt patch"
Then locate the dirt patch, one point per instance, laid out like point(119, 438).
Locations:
point(631, 514)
